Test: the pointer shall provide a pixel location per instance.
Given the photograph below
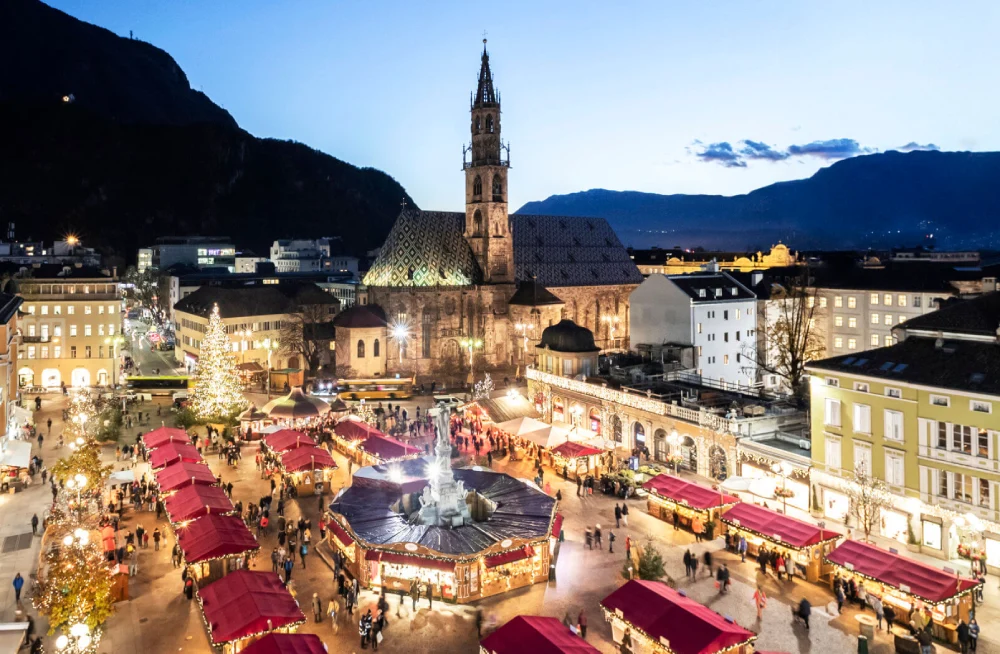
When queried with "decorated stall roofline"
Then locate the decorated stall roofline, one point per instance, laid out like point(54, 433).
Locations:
point(956, 596)
point(780, 543)
point(611, 616)
point(683, 503)
point(798, 470)
point(288, 628)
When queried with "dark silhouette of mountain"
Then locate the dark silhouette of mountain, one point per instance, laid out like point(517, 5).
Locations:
point(137, 154)
point(886, 199)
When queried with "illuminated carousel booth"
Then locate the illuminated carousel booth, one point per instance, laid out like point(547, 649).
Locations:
point(194, 501)
point(537, 635)
point(907, 584)
point(801, 543)
point(379, 449)
point(287, 439)
point(311, 469)
point(170, 453)
point(668, 494)
point(470, 533)
point(212, 544)
point(281, 643)
point(350, 432)
point(665, 621)
point(577, 459)
point(295, 406)
point(164, 435)
point(180, 475)
point(252, 418)
point(246, 606)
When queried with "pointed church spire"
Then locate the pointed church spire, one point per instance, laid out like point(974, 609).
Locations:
point(485, 94)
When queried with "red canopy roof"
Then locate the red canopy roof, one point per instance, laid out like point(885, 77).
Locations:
point(571, 450)
point(195, 501)
point(287, 439)
point(242, 604)
point(661, 612)
point(341, 533)
point(924, 582)
point(179, 475)
point(685, 492)
point(406, 559)
point(169, 453)
point(387, 448)
point(352, 429)
point(538, 635)
point(214, 536)
point(519, 554)
point(163, 435)
point(781, 529)
point(307, 458)
point(287, 644)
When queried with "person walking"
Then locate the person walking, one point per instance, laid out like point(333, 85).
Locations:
point(189, 588)
point(317, 608)
point(963, 636)
point(618, 516)
point(697, 526)
point(876, 603)
point(175, 556)
point(289, 566)
point(331, 609)
point(414, 592)
point(707, 558)
point(611, 542)
point(589, 539)
point(625, 514)
point(430, 595)
point(676, 519)
point(760, 601)
point(742, 549)
point(377, 626)
point(581, 621)
point(973, 634)
point(156, 539)
point(303, 550)
point(275, 561)
point(18, 585)
point(597, 537)
point(840, 598)
point(34, 524)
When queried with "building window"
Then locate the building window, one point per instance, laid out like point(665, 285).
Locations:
point(888, 340)
point(45, 351)
point(861, 387)
point(874, 318)
point(833, 381)
point(942, 440)
point(916, 301)
point(725, 315)
point(111, 330)
point(822, 303)
point(838, 341)
point(887, 299)
point(833, 458)
point(980, 407)
point(699, 328)
point(963, 487)
point(737, 314)
point(984, 492)
point(87, 330)
point(852, 322)
point(862, 419)
point(961, 439)
point(86, 309)
point(31, 351)
point(100, 330)
point(725, 359)
point(838, 321)
point(852, 344)
point(57, 351)
point(895, 473)
point(832, 415)
point(901, 300)
point(838, 302)
point(361, 349)
point(87, 352)
point(943, 484)
point(893, 425)
point(940, 400)
point(888, 319)
point(57, 330)
point(70, 309)
point(893, 392)
point(873, 299)
point(100, 351)
point(874, 340)
point(852, 302)
point(100, 309)
point(45, 309)
point(375, 348)
point(811, 301)
point(72, 351)
point(57, 310)
point(72, 330)
point(983, 443)
point(863, 458)
point(31, 329)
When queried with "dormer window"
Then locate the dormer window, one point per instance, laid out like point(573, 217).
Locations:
point(734, 290)
point(701, 292)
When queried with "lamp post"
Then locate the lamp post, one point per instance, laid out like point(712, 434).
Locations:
point(271, 346)
point(245, 337)
point(400, 334)
point(77, 483)
point(78, 640)
point(784, 469)
point(674, 439)
point(114, 342)
point(611, 322)
point(472, 344)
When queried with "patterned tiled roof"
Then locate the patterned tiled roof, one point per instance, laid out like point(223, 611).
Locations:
point(553, 250)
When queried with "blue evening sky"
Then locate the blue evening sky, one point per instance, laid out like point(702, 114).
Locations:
point(650, 96)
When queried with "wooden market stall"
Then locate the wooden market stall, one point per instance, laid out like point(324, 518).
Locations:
point(287, 439)
point(378, 449)
point(310, 468)
point(181, 474)
point(801, 543)
point(15, 462)
point(537, 635)
point(577, 460)
point(691, 501)
point(212, 545)
point(245, 606)
point(194, 501)
point(908, 585)
point(295, 406)
point(281, 643)
point(252, 420)
point(170, 453)
point(658, 618)
point(163, 435)
point(350, 432)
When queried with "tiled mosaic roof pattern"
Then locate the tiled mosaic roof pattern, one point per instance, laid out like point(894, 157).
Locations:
point(427, 248)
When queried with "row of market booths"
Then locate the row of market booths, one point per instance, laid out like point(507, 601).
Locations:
point(244, 610)
point(367, 446)
point(817, 554)
point(573, 453)
point(300, 460)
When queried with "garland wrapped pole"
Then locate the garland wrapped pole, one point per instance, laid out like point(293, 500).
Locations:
point(218, 394)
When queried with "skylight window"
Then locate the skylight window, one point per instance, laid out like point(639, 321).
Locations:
point(861, 362)
point(886, 366)
point(900, 367)
point(849, 360)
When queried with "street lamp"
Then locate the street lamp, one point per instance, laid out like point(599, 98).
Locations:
point(271, 346)
point(784, 469)
point(674, 439)
point(114, 342)
point(471, 344)
point(77, 483)
point(245, 337)
point(611, 322)
point(400, 333)
point(79, 639)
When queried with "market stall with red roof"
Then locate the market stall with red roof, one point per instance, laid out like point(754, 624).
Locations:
point(803, 545)
point(658, 618)
point(214, 545)
point(169, 453)
point(694, 504)
point(908, 585)
point(537, 635)
point(310, 469)
point(287, 439)
point(178, 475)
point(349, 433)
point(379, 448)
point(194, 501)
point(246, 605)
point(163, 435)
point(280, 643)
point(576, 460)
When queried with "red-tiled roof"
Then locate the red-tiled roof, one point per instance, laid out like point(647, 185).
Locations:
point(179, 475)
point(245, 603)
point(215, 536)
point(535, 635)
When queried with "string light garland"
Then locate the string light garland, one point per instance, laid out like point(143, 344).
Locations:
point(765, 463)
point(483, 389)
point(657, 645)
point(958, 595)
point(217, 392)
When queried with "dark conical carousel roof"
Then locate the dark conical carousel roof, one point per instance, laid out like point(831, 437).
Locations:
point(567, 336)
point(532, 294)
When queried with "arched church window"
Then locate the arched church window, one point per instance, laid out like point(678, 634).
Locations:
point(477, 223)
point(489, 123)
point(426, 327)
point(497, 188)
point(479, 124)
point(410, 273)
point(361, 349)
point(477, 186)
point(375, 348)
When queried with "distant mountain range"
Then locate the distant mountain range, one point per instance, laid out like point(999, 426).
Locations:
point(879, 200)
point(103, 136)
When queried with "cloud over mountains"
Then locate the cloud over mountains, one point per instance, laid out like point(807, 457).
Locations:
point(726, 154)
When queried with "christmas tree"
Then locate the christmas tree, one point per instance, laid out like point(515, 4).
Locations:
point(218, 394)
point(76, 585)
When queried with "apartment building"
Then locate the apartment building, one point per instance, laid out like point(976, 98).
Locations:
point(10, 416)
point(72, 328)
point(920, 414)
point(199, 251)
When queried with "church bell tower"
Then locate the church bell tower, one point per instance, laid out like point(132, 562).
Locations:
point(487, 225)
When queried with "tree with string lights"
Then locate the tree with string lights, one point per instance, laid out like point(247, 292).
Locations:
point(217, 394)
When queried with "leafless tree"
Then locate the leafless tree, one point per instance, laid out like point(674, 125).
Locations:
point(303, 332)
point(868, 496)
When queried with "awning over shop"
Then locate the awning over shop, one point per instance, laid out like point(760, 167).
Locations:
point(571, 450)
point(179, 475)
point(780, 529)
point(21, 415)
point(519, 554)
point(195, 501)
point(287, 644)
point(213, 537)
point(163, 456)
point(907, 575)
point(660, 612)
point(121, 477)
point(688, 493)
point(387, 448)
point(522, 425)
point(406, 559)
point(287, 439)
point(246, 603)
point(354, 429)
point(341, 533)
point(307, 458)
point(15, 454)
point(163, 435)
point(549, 436)
point(537, 635)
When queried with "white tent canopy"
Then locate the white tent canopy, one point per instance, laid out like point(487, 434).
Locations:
point(522, 425)
point(121, 477)
point(16, 454)
point(549, 436)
